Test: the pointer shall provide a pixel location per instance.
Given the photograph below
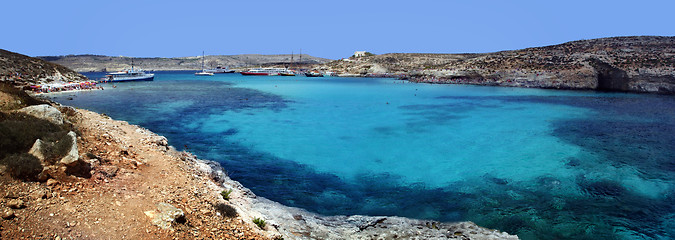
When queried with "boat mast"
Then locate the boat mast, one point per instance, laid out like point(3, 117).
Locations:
point(132, 64)
point(291, 59)
point(202, 61)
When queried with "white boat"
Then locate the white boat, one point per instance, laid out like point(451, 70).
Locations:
point(265, 71)
point(203, 72)
point(220, 70)
point(129, 75)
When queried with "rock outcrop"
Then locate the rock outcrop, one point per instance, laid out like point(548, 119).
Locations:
point(72, 156)
point(165, 215)
point(25, 70)
point(634, 64)
point(38, 150)
point(44, 111)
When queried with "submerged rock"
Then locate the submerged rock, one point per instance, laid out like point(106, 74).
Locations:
point(44, 111)
point(604, 188)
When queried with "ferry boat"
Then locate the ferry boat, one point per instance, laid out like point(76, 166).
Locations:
point(129, 75)
point(265, 71)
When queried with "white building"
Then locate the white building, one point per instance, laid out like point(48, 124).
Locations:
point(359, 53)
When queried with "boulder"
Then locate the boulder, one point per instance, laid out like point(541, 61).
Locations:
point(44, 111)
point(38, 150)
point(165, 215)
point(73, 155)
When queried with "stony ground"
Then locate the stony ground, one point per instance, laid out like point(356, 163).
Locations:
point(132, 171)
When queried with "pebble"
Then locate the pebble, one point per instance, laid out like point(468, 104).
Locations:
point(39, 194)
point(16, 203)
point(8, 214)
point(52, 182)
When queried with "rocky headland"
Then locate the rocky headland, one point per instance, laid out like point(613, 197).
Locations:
point(98, 63)
point(630, 64)
point(69, 173)
point(24, 70)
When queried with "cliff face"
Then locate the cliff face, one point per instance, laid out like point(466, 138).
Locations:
point(95, 63)
point(24, 70)
point(636, 64)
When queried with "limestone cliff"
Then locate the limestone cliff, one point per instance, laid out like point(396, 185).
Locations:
point(635, 64)
point(24, 70)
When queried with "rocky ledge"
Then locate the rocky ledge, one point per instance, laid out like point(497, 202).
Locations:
point(629, 64)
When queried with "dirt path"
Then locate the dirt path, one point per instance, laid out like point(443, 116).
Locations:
point(132, 171)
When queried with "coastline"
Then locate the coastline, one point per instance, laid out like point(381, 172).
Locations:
point(200, 182)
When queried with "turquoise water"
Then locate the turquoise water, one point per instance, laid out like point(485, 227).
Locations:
point(542, 164)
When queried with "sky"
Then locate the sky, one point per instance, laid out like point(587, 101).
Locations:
point(328, 29)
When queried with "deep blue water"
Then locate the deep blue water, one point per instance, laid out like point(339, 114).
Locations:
point(542, 164)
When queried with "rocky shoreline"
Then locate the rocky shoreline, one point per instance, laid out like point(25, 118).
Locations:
point(624, 64)
point(123, 179)
point(295, 223)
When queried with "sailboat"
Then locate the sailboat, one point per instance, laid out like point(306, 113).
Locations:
point(288, 72)
point(203, 72)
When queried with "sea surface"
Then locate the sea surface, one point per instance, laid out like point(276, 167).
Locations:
point(543, 164)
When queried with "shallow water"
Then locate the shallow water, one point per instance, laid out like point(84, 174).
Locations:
point(542, 164)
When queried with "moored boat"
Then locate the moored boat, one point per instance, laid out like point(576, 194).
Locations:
point(288, 72)
point(219, 70)
point(203, 72)
point(265, 71)
point(127, 75)
point(313, 74)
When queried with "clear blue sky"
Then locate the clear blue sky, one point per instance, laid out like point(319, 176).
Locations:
point(330, 29)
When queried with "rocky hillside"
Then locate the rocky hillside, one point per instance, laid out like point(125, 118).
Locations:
point(635, 64)
point(95, 63)
point(22, 70)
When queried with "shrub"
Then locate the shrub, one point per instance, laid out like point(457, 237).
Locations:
point(59, 149)
point(23, 98)
point(226, 194)
point(226, 210)
point(19, 131)
point(260, 222)
point(22, 166)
